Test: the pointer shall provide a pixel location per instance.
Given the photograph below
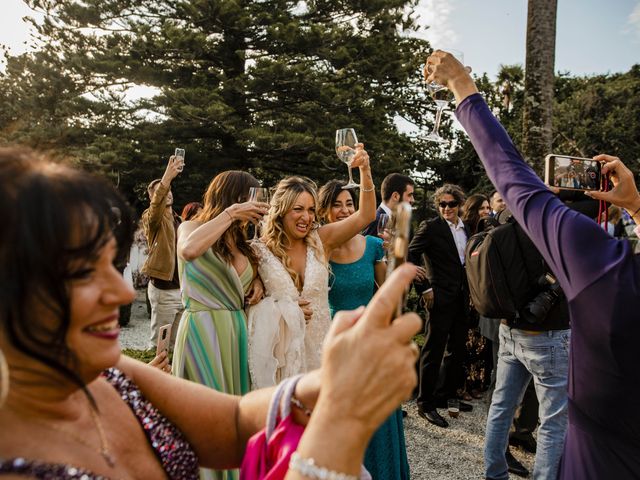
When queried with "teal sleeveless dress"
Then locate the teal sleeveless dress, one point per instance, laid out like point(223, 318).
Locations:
point(352, 285)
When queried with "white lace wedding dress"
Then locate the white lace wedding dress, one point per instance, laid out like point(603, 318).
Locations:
point(280, 344)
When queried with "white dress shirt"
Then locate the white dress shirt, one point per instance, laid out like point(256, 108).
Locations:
point(386, 209)
point(460, 237)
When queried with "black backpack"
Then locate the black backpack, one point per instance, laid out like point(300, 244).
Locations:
point(496, 264)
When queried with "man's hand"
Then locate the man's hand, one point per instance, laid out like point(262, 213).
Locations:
point(445, 69)
point(421, 274)
point(174, 167)
point(428, 299)
point(624, 192)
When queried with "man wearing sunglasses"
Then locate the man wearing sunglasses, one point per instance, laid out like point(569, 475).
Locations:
point(446, 295)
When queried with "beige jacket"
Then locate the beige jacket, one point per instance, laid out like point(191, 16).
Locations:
point(158, 225)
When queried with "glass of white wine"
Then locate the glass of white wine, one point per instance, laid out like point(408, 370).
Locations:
point(346, 142)
point(258, 194)
point(441, 96)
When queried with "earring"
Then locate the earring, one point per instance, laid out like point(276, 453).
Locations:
point(4, 379)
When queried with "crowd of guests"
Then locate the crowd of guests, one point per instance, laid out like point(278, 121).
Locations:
point(309, 296)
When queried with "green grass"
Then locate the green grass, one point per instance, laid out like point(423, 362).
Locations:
point(143, 355)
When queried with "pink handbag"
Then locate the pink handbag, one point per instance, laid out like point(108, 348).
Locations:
point(268, 452)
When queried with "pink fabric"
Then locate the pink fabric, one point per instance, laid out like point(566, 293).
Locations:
point(269, 459)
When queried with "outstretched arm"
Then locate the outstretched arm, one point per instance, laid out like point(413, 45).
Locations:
point(195, 238)
point(576, 248)
point(217, 425)
point(153, 217)
point(335, 234)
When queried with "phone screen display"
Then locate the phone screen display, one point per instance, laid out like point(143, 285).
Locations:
point(573, 173)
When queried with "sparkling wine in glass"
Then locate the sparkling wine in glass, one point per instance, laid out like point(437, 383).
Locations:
point(258, 194)
point(346, 142)
point(441, 96)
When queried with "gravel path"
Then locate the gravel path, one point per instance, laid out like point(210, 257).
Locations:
point(454, 453)
point(137, 333)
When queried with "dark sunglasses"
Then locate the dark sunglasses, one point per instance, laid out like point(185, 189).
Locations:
point(452, 204)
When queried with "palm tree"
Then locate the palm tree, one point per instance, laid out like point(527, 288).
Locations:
point(539, 80)
point(510, 78)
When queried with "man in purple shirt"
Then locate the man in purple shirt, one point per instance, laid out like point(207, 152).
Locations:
point(599, 275)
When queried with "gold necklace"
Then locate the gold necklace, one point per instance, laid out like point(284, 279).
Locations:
point(104, 444)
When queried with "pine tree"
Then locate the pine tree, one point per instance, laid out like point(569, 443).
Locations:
point(252, 85)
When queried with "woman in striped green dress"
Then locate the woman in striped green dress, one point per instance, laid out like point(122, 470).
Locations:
point(216, 267)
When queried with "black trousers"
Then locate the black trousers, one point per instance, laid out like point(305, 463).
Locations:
point(447, 330)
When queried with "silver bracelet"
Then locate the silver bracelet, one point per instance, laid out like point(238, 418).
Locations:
point(308, 468)
point(373, 187)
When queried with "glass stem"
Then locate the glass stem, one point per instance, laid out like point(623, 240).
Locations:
point(351, 182)
point(436, 125)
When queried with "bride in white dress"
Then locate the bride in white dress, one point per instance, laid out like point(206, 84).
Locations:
point(287, 328)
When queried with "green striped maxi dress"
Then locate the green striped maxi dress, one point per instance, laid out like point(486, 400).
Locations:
point(211, 343)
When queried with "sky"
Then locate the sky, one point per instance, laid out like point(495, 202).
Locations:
point(593, 36)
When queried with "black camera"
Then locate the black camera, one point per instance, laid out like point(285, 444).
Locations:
point(538, 308)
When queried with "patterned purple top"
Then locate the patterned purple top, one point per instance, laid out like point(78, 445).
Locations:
point(173, 451)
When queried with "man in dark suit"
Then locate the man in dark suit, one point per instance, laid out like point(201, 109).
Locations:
point(395, 188)
point(442, 240)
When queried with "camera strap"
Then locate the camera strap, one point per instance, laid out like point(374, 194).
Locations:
point(603, 212)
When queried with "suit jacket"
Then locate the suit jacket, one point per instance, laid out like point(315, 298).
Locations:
point(372, 228)
point(434, 239)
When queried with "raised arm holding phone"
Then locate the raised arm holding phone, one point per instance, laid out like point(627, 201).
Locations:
point(598, 274)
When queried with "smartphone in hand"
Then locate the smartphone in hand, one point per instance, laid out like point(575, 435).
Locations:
point(179, 154)
point(572, 173)
point(399, 247)
point(164, 339)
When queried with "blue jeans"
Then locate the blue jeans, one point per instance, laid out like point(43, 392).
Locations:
point(521, 355)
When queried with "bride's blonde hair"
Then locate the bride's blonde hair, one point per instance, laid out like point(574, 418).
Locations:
point(286, 193)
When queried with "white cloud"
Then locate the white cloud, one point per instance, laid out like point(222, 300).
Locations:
point(434, 18)
point(634, 20)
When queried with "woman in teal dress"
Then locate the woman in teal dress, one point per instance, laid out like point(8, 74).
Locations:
point(217, 267)
point(355, 269)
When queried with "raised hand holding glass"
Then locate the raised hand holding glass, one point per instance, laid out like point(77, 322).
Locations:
point(346, 142)
point(258, 194)
point(441, 96)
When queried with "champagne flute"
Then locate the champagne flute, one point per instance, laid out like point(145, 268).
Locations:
point(346, 142)
point(382, 223)
point(441, 96)
point(258, 194)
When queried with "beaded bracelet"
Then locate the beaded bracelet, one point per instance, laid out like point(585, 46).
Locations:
point(308, 468)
